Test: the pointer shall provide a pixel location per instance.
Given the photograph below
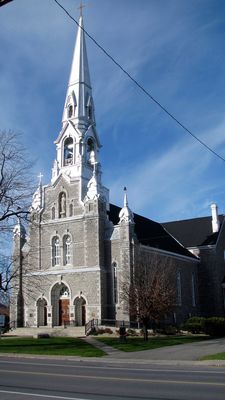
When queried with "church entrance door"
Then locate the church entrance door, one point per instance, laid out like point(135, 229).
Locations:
point(80, 311)
point(64, 315)
point(60, 301)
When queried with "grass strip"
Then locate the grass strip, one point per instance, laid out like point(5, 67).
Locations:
point(217, 356)
point(138, 344)
point(50, 346)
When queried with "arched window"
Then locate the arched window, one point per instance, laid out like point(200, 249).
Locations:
point(71, 209)
point(53, 212)
point(67, 253)
point(90, 114)
point(115, 288)
point(90, 145)
point(90, 151)
point(90, 108)
point(55, 251)
point(70, 111)
point(68, 151)
point(62, 205)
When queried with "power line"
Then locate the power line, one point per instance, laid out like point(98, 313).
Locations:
point(147, 93)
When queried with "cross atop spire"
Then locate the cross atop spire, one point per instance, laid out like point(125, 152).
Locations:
point(81, 6)
point(40, 176)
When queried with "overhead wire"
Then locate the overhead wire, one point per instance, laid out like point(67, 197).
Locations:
point(146, 92)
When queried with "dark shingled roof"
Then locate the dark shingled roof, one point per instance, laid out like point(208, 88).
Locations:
point(193, 232)
point(151, 233)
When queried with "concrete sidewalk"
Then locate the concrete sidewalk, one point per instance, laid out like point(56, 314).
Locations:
point(182, 352)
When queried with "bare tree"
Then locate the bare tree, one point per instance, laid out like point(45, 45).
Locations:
point(15, 196)
point(15, 178)
point(152, 291)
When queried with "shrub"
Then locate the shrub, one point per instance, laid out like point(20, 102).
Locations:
point(131, 332)
point(214, 326)
point(108, 330)
point(170, 330)
point(100, 331)
point(194, 324)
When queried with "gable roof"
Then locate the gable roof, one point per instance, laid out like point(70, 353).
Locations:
point(151, 233)
point(193, 232)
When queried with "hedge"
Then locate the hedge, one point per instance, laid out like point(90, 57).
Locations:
point(213, 326)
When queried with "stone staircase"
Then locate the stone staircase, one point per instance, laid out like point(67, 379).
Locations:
point(78, 331)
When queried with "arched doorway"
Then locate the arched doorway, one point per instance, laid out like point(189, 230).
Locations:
point(80, 311)
point(60, 298)
point(41, 312)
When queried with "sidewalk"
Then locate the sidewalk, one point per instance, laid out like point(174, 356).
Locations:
point(184, 354)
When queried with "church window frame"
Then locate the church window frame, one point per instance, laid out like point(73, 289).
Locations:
point(56, 256)
point(193, 289)
point(178, 289)
point(62, 200)
point(53, 212)
point(90, 108)
point(89, 112)
point(67, 250)
point(115, 282)
point(90, 145)
point(70, 111)
point(68, 151)
point(90, 149)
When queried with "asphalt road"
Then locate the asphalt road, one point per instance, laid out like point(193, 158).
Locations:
point(33, 379)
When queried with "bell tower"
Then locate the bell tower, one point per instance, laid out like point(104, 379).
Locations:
point(78, 145)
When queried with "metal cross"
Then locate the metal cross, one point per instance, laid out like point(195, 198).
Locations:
point(81, 8)
point(40, 176)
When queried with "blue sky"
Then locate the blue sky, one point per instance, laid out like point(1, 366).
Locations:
point(174, 48)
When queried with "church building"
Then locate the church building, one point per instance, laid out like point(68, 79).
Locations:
point(79, 245)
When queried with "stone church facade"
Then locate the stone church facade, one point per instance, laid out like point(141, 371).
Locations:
point(79, 245)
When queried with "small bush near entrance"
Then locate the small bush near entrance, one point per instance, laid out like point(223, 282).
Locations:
point(101, 331)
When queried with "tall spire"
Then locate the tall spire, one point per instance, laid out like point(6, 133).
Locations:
point(126, 214)
point(78, 145)
point(79, 104)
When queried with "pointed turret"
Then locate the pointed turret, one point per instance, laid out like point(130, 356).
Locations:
point(37, 196)
point(79, 107)
point(126, 214)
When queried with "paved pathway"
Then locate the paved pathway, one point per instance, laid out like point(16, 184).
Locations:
point(185, 352)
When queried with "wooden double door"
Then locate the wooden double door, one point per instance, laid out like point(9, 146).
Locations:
point(64, 311)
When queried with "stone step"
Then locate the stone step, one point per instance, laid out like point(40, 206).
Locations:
point(77, 331)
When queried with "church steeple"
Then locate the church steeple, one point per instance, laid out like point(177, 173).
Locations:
point(79, 107)
point(78, 144)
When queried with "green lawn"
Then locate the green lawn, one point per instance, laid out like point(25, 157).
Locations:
point(217, 356)
point(138, 344)
point(50, 346)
